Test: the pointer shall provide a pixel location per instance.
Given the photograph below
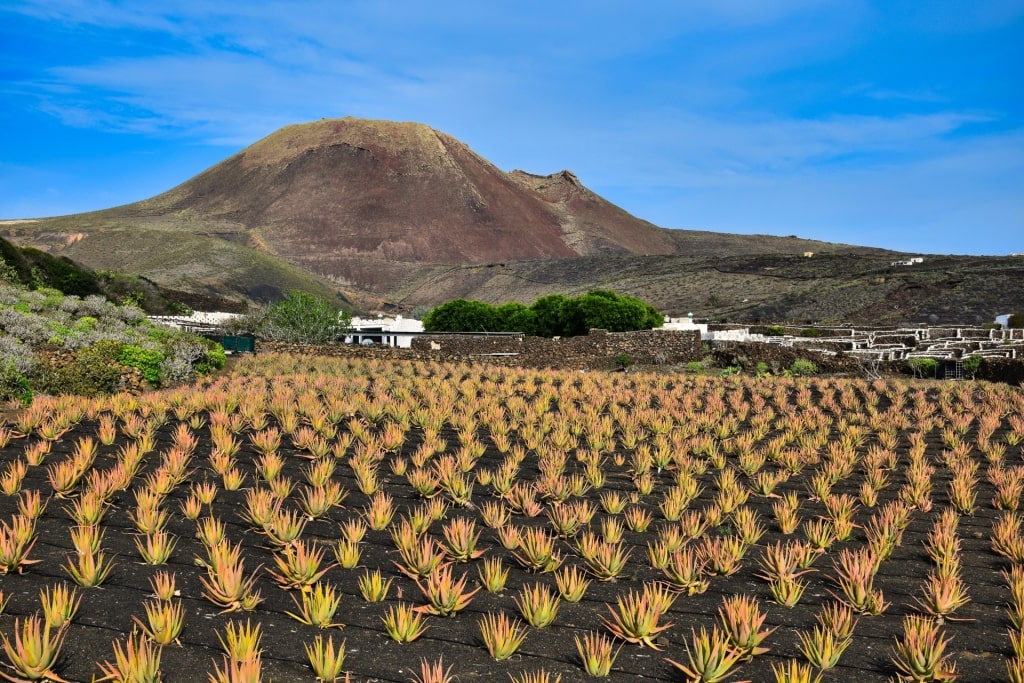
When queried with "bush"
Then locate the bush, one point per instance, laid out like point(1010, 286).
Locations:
point(215, 359)
point(802, 367)
point(304, 318)
point(186, 355)
point(94, 370)
point(775, 331)
point(146, 360)
point(624, 361)
point(13, 384)
point(810, 332)
point(1016, 320)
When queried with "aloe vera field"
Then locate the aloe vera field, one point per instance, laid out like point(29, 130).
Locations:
point(303, 518)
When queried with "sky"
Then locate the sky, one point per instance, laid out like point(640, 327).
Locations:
point(889, 123)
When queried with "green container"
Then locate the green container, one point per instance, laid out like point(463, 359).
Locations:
point(236, 343)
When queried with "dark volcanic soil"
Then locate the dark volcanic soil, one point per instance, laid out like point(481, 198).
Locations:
point(979, 645)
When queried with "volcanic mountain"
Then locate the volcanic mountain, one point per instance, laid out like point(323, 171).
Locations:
point(402, 192)
point(399, 215)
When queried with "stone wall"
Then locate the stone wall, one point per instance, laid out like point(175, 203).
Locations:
point(595, 351)
point(779, 358)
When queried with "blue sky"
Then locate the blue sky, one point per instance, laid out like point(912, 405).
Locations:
point(890, 123)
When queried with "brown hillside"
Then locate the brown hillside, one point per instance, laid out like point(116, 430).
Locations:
point(400, 192)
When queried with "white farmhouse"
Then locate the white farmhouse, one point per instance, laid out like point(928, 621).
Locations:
point(388, 331)
point(684, 324)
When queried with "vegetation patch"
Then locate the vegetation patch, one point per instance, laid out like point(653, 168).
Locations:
point(553, 315)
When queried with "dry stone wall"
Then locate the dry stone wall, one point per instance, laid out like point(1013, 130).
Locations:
point(596, 351)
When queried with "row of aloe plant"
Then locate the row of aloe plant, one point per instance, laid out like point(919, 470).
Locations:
point(550, 470)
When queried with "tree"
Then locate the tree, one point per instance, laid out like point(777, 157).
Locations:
point(602, 309)
point(972, 364)
point(461, 315)
point(304, 318)
point(549, 315)
point(514, 317)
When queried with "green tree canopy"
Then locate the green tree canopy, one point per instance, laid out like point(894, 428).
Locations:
point(606, 310)
point(461, 315)
point(549, 316)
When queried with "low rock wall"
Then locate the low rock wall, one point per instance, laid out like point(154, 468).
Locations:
point(779, 358)
point(596, 351)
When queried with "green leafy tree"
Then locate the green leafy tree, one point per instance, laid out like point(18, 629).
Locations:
point(972, 364)
point(462, 315)
point(923, 367)
point(304, 318)
point(549, 315)
point(515, 317)
point(606, 310)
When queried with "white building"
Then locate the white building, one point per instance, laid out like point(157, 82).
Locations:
point(199, 321)
point(684, 324)
point(389, 331)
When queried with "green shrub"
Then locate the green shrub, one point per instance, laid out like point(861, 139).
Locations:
point(802, 367)
point(695, 366)
point(972, 364)
point(94, 370)
point(761, 369)
point(86, 323)
point(775, 331)
point(923, 367)
point(146, 360)
point(624, 360)
point(1016, 320)
point(185, 355)
point(304, 318)
point(810, 332)
point(13, 384)
point(215, 359)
